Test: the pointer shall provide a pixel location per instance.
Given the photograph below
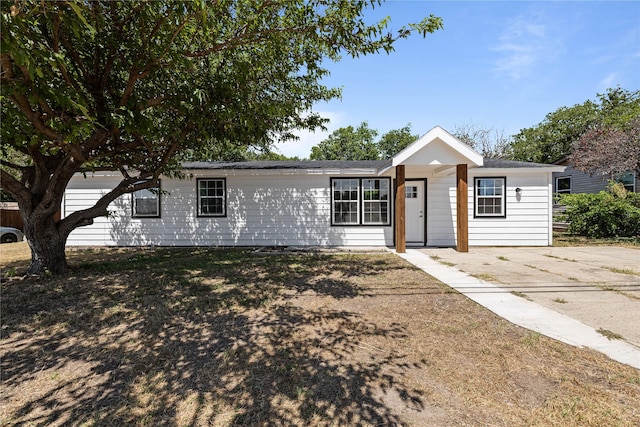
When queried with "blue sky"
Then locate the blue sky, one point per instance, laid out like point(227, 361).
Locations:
point(496, 64)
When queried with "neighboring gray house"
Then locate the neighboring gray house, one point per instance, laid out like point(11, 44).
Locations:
point(436, 192)
point(573, 181)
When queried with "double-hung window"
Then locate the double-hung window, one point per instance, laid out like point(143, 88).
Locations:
point(360, 201)
point(146, 203)
point(490, 197)
point(345, 201)
point(375, 199)
point(563, 185)
point(212, 197)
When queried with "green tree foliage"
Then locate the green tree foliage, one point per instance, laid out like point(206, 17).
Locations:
point(130, 85)
point(620, 108)
point(553, 138)
point(396, 140)
point(611, 148)
point(612, 213)
point(229, 151)
point(349, 143)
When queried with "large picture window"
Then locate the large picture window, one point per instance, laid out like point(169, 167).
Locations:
point(360, 201)
point(212, 195)
point(490, 197)
point(146, 203)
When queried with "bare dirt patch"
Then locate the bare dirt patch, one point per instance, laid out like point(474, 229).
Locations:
point(234, 337)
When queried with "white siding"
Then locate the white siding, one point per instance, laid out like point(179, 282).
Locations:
point(527, 219)
point(441, 211)
point(527, 216)
point(261, 211)
point(81, 194)
point(270, 208)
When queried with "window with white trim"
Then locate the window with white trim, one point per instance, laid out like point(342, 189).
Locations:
point(360, 201)
point(345, 201)
point(490, 197)
point(212, 197)
point(375, 200)
point(145, 203)
point(563, 185)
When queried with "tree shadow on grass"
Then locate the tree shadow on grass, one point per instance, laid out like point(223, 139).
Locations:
point(196, 337)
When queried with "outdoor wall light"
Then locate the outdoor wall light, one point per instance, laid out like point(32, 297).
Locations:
point(518, 191)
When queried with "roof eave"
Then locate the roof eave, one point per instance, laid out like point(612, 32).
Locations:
point(548, 169)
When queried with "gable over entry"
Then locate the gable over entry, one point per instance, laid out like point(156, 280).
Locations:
point(435, 154)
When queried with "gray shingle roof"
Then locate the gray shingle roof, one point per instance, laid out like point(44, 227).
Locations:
point(501, 163)
point(289, 164)
point(339, 164)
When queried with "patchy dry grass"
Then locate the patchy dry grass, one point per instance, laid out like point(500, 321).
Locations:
point(628, 271)
point(610, 335)
point(563, 239)
point(189, 337)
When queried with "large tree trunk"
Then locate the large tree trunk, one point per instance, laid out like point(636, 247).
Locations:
point(47, 244)
point(41, 201)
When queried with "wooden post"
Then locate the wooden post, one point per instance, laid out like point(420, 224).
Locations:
point(401, 238)
point(462, 211)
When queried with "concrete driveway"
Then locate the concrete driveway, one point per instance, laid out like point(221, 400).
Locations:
point(597, 285)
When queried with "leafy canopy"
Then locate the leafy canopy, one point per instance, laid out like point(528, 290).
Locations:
point(135, 86)
point(349, 143)
point(553, 138)
point(612, 147)
point(130, 84)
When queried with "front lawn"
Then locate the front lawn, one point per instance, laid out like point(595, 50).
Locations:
point(201, 336)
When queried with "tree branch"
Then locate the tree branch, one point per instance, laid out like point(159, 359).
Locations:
point(134, 76)
point(14, 166)
point(240, 39)
point(74, 54)
point(55, 34)
point(86, 216)
point(23, 105)
point(15, 188)
point(154, 102)
point(6, 70)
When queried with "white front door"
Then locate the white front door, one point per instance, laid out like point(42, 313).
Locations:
point(414, 211)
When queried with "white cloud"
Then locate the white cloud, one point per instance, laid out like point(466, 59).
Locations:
point(609, 81)
point(302, 147)
point(523, 45)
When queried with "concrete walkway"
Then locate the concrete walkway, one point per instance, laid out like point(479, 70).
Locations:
point(525, 313)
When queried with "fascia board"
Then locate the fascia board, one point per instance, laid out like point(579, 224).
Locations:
point(517, 170)
point(282, 172)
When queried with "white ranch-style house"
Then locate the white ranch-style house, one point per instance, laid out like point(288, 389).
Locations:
point(436, 192)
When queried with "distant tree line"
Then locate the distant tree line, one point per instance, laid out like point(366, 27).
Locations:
point(349, 143)
point(601, 137)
